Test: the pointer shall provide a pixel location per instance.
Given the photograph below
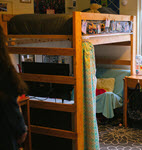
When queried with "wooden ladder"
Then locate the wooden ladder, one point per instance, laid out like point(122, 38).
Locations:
point(77, 135)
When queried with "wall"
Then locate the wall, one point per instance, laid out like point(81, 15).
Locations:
point(130, 8)
point(119, 52)
point(16, 7)
point(80, 5)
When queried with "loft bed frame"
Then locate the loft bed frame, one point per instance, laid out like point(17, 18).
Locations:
point(77, 135)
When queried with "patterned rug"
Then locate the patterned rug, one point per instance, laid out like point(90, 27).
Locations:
point(119, 138)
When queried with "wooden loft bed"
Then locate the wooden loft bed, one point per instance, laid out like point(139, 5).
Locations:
point(77, 135)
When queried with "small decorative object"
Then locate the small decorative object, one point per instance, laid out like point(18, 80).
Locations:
point(84, 26)
point(99, 28)
point(103, 27)
point(118, 27)
point(104, 3)
point(94, 8)
point(25, 1)
point(113, 26)
point(138, 65)
point(50, 11)
point(124, 2)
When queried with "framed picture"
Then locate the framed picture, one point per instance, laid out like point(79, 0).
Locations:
point(6, 7)
point(3, 7)
point(25, 1)
point(50, 11)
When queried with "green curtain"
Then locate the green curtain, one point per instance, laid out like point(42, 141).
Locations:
point(90, 122)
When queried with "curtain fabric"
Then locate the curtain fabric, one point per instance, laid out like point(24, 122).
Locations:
point(91, 136)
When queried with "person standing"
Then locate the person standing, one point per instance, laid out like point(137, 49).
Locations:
point(12, 126)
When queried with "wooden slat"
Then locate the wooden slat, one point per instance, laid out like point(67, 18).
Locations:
point(17, 42)
point(42, 51)
point(53, 132)
point(98, 16)
point(98, 40)
point(133, 47)
point(48, 78)
point(78, 89)
point(65, 37)
point(87, 36)
point(52, 106)
point(120, 44)
point(114, 62)
point(3, 24)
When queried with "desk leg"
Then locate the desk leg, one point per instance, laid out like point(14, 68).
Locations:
point(27, 143)
point(125, 103)
point(29, 124)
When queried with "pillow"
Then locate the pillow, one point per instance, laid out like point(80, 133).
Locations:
point(106, 83)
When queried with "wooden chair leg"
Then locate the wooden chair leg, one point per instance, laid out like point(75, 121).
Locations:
point(125, 103)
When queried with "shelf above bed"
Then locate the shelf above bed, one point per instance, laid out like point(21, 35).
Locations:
point(98, 39)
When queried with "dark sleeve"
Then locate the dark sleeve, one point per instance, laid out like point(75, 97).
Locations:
point(13, 115)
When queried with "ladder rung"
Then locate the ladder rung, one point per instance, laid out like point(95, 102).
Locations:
point(61, 37)
point(53, 132)
point(42, 51)
point(48, 78)
point(52, 106)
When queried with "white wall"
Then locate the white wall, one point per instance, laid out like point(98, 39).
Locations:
point(130, 8)
point(80, 5)
point(16, 7)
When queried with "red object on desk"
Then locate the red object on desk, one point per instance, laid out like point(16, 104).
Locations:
point(22, 96)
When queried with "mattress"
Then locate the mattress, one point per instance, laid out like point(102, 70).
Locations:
point(55, 24)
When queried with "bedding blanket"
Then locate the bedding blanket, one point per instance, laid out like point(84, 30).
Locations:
point(55, 24)
point(90, 122)
point(107, 102)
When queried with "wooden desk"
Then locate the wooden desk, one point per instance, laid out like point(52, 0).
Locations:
point(130, 82)
point(26, 114)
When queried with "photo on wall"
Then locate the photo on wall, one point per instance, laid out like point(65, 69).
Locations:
point(3, 7)
point(25, 1)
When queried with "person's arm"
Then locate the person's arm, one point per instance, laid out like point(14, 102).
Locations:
point(14, 117)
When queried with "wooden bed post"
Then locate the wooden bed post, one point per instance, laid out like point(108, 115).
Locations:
point(3, 24)
point(133, 47)
point(78, 74)
point(4, 18)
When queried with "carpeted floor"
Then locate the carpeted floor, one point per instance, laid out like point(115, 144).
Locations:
point(116, 137)
point(119, 138)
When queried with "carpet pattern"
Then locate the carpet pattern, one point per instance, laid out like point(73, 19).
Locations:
point(119, 138)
